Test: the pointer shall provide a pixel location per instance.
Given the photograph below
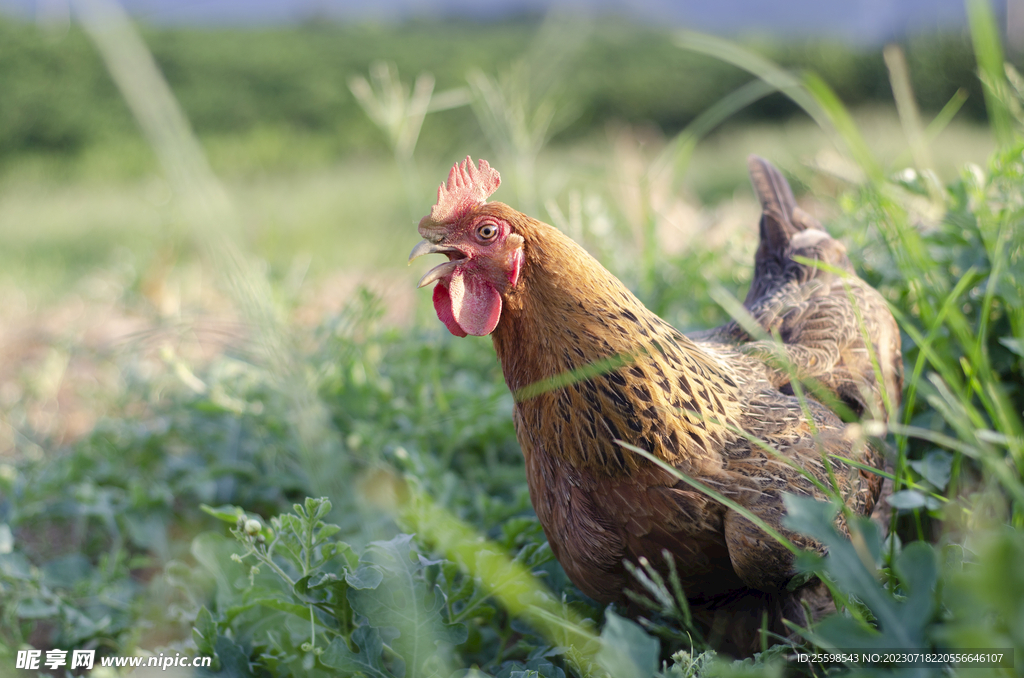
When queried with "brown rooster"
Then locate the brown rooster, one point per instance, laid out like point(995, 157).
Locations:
point(590, 366)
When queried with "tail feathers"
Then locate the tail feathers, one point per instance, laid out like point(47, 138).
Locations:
point(777, 203)
point(785, 231)
point(781, 218)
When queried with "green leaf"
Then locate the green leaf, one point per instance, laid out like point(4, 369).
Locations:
point(838, 631)
point(810, 517)
point(226, 513)
point(366, 660)
point(936, 467)
point(918, 573)
point(1015, 345)
point(870, 535)
point(233, 660)
point(844, 565)
point(36, 608)
point(148, 532)
point(6, 539)
point(64, 571)
point(300, 611)
point(323, 581)
point(314, 510)
point(626, 650)
point(366, 577)
point(347, 553)
point(204, 631)
point(808, 565)
point(213, 552)
point(302, 587)
point(534, 668)
point(403, 602)
point(15, 566)
point(905, 500)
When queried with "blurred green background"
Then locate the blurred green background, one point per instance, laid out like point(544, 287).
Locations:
point(204, 303)
point(273, 109)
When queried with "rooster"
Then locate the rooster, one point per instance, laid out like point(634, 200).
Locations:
point(592, 368)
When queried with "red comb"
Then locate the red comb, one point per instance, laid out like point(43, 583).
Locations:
point(467, 187)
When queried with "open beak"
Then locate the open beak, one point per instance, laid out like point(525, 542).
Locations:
point(438, 272)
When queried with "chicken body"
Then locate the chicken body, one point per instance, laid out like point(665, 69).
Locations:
point(591, 366)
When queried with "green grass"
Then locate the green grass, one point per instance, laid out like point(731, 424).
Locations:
point(428, 557)
point(338, 213)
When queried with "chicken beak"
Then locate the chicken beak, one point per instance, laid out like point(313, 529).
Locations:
point(438, 272)
point(427, 247)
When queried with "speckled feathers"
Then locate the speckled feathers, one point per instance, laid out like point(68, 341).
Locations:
point(590, 366)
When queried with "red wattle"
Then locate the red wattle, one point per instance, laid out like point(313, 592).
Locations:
point(476, 304)
point(467, 304)
point(443, 308)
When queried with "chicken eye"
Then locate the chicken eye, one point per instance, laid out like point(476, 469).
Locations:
point(487, 231)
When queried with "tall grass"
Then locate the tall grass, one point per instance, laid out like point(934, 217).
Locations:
point(214, 224)
point(409, 434)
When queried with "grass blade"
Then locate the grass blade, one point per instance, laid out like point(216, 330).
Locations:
point(988, 51)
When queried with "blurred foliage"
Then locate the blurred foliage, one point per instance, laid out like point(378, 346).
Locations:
point(293, 594)
point(59, 100)
point(957, 286)
point(117, 542)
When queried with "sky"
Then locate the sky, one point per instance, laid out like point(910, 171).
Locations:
point(859, 20)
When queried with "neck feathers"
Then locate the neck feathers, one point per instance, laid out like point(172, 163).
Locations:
point(589, 364)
